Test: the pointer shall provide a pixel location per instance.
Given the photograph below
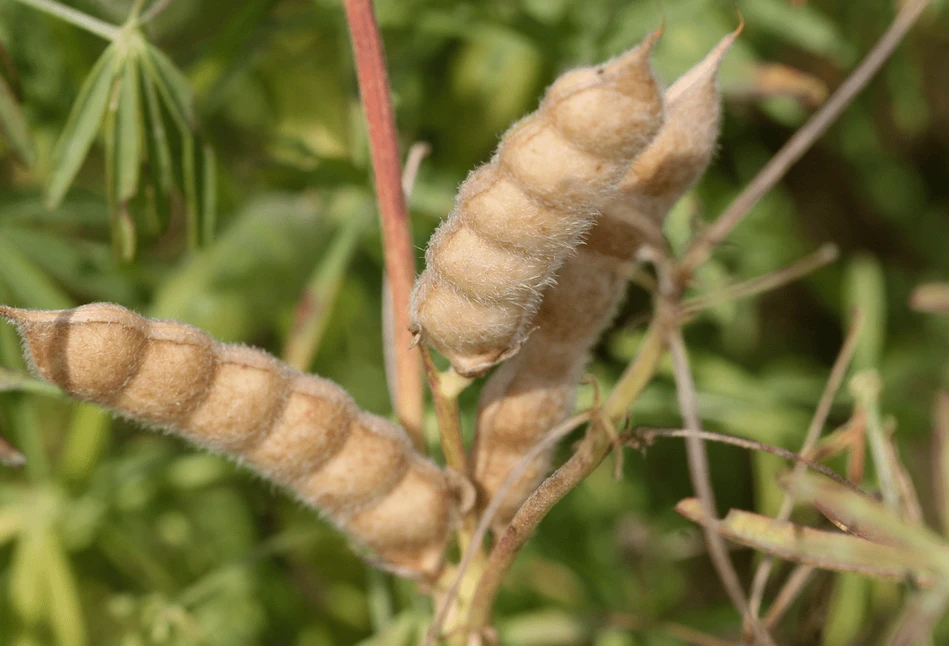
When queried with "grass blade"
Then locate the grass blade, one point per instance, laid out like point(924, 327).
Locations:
point(81, 127)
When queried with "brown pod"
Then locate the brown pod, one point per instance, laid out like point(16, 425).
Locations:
point(517, 218)
point(535, 390)
point(299, 430)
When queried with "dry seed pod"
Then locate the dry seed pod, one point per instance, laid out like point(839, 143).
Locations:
point(299, 430)
point(534, 391)
point(517, 218)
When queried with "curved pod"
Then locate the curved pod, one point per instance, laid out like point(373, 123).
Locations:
point(299, 430)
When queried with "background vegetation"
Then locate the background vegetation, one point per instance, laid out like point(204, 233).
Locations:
point(112, 535)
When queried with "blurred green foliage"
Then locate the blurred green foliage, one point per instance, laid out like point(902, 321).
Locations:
point(112, 535)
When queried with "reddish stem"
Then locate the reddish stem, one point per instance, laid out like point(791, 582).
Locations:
point(396, 236)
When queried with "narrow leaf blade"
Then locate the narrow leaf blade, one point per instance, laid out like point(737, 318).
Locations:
point(81, 127)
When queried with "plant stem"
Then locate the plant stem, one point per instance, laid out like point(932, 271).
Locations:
point(75, 17)
point(445, 398)
point(397, 241)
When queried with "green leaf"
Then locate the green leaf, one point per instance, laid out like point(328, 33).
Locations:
point(14, 125)
point(128, 133)
point(81, 127)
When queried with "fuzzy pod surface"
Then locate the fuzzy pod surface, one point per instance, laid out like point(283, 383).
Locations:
point(535, 390)
point(301, 431)
point(518, 217)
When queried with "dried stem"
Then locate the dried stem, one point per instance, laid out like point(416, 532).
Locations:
point(760, 284)
point(788, 593)
point(589, 454)
point(397, 240)
point(646, 435)
point(802, 140)
point(701, 480)
point(837, 374)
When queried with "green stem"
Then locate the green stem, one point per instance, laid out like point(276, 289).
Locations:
point(75, 17)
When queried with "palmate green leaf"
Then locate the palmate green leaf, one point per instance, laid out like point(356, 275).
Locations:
point(14, 125)
point(81, 127)
point(814, 547)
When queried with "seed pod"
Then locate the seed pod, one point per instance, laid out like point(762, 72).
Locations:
point(299, 430)
point(517, 218)
point(535, 390)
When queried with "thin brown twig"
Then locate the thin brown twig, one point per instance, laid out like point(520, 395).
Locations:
point(802, 140)
point(760, 284)
point(787, 594)
point(701, 478)
point(640, 435)
point(396, 236)
point(818, 421)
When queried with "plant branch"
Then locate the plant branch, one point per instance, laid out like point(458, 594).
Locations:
point(641, 437)
point(818, 421)
point(75, 17)
point(802, 140)
point(760, 284)
point(397, 240)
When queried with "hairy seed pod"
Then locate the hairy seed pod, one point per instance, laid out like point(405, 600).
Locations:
point(299, 430)
point(517, 218)
point(535, 390)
